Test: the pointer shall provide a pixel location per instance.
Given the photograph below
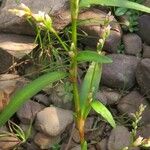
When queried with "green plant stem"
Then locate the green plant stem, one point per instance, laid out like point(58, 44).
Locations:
point(60, 40)
point(73, 70)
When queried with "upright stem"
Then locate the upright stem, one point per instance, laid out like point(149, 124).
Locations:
point(73, 70)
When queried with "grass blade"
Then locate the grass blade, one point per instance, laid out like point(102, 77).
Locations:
point(104, 112)
point(27, 92)
point(118, 3)
point(93, 56)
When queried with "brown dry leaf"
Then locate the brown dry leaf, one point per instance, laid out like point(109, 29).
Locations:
point(4, 99)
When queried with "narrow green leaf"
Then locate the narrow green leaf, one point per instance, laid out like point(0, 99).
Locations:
point(93, 56)
point(27, 92)
point(118, 3)
point(84, 145)
point(104, 112)
point(90, 86)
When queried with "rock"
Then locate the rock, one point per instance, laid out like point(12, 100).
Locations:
point(31, 146)
point(16, 45)
point(146, 51)
point(119, 138)
point(53, 120)
point(143, 76)
point(130, 104)
point(43, 99)
point(121, 73)
point(94, 30)
point(108, 96)
point(144, 28)
point(144, 131)
point(58, 9)
point(76, 148)
point(76, 136)
point(133, 44)
point(61, 95)
point(28, 111)
point(44, 141)
point(89, 123)
point(9, 83)
point(102, 145)
point(9, 142)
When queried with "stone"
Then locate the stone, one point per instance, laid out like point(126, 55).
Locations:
point(42, 98)
point(144, 131)
point(76, 148)
point(58, 9)
point(143, 76)
point(102, 145)
point(121, 73)
point(28, 111)
point(17, 45)
point(108, 96)
point(144, 28)
point(9, 142)
point(133, 44)
point(119, 138)
point(94, 30)
point(9, 84)
point(44, 141)
point(130, 104)
point(61, 96)
point(53, 120)
point(146, 51)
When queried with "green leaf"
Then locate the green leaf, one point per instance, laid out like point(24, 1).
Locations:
point(90, 86)
point(84, 145)
point(104, 112)
point(27, 92)
point(118, 3)
point(120, 11)
point(93, 56)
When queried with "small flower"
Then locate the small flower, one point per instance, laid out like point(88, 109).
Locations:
point(146, 143)
point(138, 141)
point(25, 8)
point(19, 13)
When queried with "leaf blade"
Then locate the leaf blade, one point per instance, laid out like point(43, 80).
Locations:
point(92, 56)
point(118, 3)
point(104, 112)
point(27, 92)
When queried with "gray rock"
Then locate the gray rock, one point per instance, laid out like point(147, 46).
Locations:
point(61, 96)
point(108, 96)
point(17, 45)
point(28, 111)
point(144, 131)
point(13, 47)
point(43, 99)
point(102, 145)
point(144, 28)
point(44, 141)
point(143, 76)
point(132, 43)
point(53, 120)
point(130, 104)
point(78, 147)
point(119, 138)
point(94, 30)
point(146, 51)
point(13, 24)
point(121, 73)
